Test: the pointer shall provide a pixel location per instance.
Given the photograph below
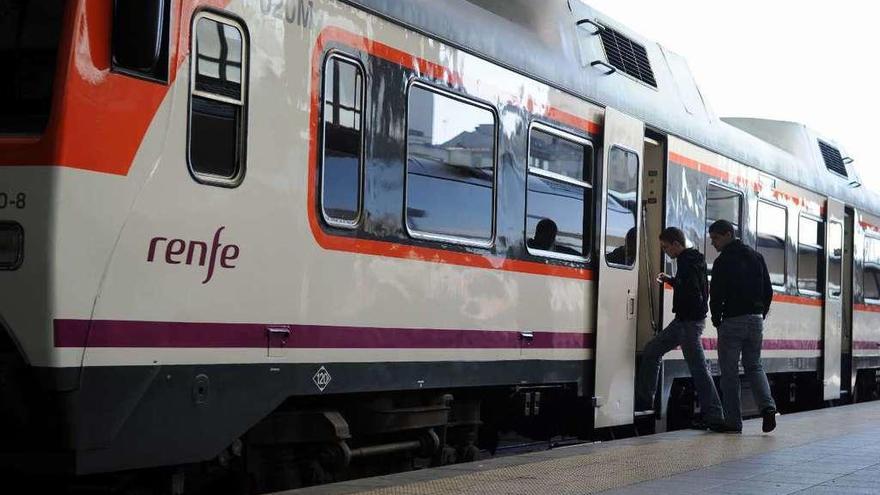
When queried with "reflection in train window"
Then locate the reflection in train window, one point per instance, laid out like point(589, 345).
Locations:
point(871, 273)
point(450, 169)
point(341, 168)
point(217, 102)
point(721, 204)
point(811, 235)
point(558, 193)
point(835, 254)
point(772, 232)
point(621, 208)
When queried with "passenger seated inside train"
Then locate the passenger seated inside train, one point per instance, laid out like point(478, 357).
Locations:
point(545, 238)
point(624, 255)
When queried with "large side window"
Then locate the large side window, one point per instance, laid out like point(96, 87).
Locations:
point(450, 167)
point(772, 232)
point(810, 260)
point(621, 208)
point(217, 100)
point(559, 191)
point(342, 164)
point(871, 273)
point(721, 204)
point(835, 256)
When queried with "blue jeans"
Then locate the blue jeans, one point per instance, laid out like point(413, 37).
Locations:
point(687, 335)
point(742, 335)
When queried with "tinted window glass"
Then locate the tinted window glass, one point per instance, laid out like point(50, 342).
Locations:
point(29, 39)
point(558, 194)
point(140, 37)
point(772, 231)
point(217, 113)
point(810, 255)
point(214, 137)
point(872, 282)
point(835, 253)
point(218, 58)
point(558, 155)
point(621, 209)
point(721, 204)
point(450, 166)
point(871, 273)
point(341, 171)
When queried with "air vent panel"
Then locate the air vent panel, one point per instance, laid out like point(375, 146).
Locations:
point(833, 159)
point(628, 56)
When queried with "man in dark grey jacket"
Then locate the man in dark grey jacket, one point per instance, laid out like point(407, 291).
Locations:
point(740, 299)
point(689, 303)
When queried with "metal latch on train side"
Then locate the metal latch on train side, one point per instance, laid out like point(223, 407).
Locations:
point(277, 340)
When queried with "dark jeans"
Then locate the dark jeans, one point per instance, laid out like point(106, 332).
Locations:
point(687, 335)
point(742, 335)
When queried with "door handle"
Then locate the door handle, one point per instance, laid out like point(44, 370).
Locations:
point(527, 337)
point(630, 305)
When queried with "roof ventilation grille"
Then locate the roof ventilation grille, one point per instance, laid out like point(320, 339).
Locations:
point(627, 55)
point(833, 159)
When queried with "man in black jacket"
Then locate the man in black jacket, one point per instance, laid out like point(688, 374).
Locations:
point(740, 299)
point(689, 303)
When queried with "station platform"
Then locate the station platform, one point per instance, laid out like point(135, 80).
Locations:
point(828, 451)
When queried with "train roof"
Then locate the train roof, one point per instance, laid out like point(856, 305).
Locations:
point(558, 41)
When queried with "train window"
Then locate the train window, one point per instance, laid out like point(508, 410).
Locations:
point(450, 167)
point(835, 254)
point(217, 100)
point(772, 232)
point(139, 43)
point(621, 208)
point(721, 204)
point(811, 235)
point(342, 164)
point(871, 272)
point(559, 191)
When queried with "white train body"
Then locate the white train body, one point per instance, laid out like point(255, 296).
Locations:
point(168, 310)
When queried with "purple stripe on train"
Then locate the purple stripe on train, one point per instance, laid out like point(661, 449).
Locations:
point(111, 333)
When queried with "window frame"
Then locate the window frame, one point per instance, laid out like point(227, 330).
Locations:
point(238, 23)
point(742, 201)
point(329, 220)
point(820, 249)
point(784, 208)
point(830, 294)
point(638, 227)
point(874, 237)
point(467, 100)
point(541, 126)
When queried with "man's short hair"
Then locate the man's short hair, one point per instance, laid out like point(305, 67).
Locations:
point(722, 227)
point(673, 234)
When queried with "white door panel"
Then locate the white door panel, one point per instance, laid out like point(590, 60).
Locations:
point(833, 319)
point(618, 269)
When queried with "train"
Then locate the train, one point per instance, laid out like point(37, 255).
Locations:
point(290, 241)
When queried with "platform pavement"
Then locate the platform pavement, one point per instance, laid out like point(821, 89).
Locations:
point(829, 451)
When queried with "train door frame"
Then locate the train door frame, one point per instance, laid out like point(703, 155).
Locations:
point(847, 373)
point(833, 308)
point(615, 348)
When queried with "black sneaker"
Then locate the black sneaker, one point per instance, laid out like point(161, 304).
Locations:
point(769, 423)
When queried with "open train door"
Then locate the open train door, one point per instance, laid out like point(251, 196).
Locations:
point(616, 318)
point(833, 314)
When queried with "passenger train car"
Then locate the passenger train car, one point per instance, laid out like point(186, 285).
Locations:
point(291, 237)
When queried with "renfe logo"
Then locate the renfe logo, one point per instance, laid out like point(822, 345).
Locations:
point(196, 251)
